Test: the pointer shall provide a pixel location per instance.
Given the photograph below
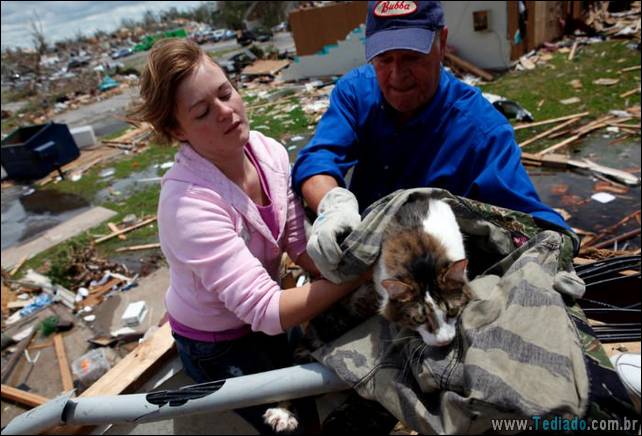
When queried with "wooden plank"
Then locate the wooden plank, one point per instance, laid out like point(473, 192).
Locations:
point(139, 247)
point(125, 376)
point(631, 92)
point(19, 265)
point(571, 55)
point(265, 67)
point(549, 121)
point(459, 62)
point(15, 357)
point(22, 397)
point(96, 294)
point(549, 131)
point(633, 68)
point(65, 372)
point(114, 228)
point(128, 229)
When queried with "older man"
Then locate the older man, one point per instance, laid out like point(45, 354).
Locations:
point(402, 121)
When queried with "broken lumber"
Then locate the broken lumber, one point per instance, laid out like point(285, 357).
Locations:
point(549, 121)
point(6, 369)
point(633, 68)
point(114, 229)
point(578, 133)
point(139, 247)
point(128, 229)
point(96, 294)
point(138, 364)
point(611, 229)
point(22, 397)
point(623, 237)
point(18, 265)
point(560, 161)
point(460, 63)
point(63, 364)
point(549, 131)
point(571, 55)
point(631, 92)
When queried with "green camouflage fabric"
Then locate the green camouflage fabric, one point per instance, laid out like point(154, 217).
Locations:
point(523, 346)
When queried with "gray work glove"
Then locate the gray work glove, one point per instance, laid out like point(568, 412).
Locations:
point(338, 216)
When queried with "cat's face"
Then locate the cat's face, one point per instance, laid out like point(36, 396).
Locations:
point(424, 291)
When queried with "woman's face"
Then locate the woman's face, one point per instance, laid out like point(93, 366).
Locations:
point(210, 113)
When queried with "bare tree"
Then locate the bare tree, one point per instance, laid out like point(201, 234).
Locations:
point(39, 41)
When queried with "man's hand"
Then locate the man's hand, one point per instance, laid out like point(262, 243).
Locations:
point(338, 216)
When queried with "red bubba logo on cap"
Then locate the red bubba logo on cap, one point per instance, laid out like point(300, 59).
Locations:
point(394, 9)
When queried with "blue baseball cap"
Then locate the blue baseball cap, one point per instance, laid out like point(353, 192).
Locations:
point(395, 25)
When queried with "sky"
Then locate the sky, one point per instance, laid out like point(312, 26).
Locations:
point(63, 19)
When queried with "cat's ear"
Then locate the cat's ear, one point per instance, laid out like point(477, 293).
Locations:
point(456, 272)
point(397, 290)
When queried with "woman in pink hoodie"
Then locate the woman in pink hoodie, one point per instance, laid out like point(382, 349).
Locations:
point(226, 215)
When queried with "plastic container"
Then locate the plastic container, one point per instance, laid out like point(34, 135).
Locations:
point(92, 365)
point(33, 152)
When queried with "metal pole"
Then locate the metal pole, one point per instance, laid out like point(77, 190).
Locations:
point(266, 387)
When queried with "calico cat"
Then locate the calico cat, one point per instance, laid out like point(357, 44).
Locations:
point(421, 272)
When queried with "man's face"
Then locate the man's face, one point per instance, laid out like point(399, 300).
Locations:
point(409, 79)
point(210, 113)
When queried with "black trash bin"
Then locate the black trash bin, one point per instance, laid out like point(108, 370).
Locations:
point(30, 153)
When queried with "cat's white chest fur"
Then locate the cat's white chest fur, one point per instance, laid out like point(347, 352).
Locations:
point(442, 225)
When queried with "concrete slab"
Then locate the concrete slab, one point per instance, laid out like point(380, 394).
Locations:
point(150, 289)
point(78, 224)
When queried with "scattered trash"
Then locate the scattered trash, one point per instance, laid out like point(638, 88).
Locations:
point(576, 84)
point(571, 100)
point(134, 313)
point(130, 219)
point(602, 186)
point(166, 165)
point(297, 138)
point(603, 197)
point(292, 147)
point(92, 365)
point(75, 177)
point(83, 292)
point(508, 108)
point(90, 318)
point(41, 301)
point(107, 84)
point(107, 172)
point(605, 82)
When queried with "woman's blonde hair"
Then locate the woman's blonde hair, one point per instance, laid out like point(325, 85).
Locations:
point(168, 63)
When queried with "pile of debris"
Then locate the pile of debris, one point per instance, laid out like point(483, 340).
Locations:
point(313, 98)
point(624, 24)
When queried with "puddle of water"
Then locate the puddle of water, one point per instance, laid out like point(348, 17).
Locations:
point(571, 190)
point(131, 183)
point(27, 216)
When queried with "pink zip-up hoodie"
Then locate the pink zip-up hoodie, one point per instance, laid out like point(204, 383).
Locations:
point(223, 259)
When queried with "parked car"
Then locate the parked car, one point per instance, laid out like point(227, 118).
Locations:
point(234, 64)
point(201, 37)
point(223, 34)
point(121, 53)
point(78, 61)
point(263, 35)
point(245, 37)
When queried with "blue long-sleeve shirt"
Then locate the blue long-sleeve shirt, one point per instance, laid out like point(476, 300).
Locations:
point(458, 142)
